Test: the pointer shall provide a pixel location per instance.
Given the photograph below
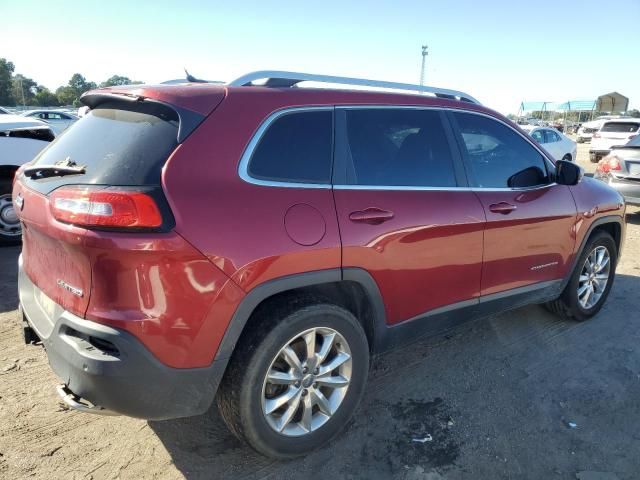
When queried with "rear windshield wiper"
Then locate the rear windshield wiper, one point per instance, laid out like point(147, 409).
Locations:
point(58, 169)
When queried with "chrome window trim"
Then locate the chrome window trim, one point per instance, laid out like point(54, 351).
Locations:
point(243, 166)
point(441, 189)
point(402, 188)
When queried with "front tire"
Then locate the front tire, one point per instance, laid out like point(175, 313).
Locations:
point(10, 230)
point(295, 381)
point(590, 282)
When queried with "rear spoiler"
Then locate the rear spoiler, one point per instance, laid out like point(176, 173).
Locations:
point(189, 120)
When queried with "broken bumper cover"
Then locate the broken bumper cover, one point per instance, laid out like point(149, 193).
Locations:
point(110, 368)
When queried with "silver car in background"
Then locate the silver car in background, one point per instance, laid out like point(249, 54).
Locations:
point(621, 170)
point(59, 120)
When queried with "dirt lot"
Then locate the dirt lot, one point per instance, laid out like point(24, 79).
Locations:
point(498, 397)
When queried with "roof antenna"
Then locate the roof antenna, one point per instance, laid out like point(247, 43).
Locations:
point(192, 79)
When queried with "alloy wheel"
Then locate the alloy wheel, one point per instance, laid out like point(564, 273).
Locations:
point(306, 382)
point(9, 221)
point(594, 277)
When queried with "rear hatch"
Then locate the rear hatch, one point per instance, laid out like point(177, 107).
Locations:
point(629, 157)
point(102, 174)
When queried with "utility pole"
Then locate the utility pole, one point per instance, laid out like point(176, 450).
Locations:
point(21, 90)
point(425, 52)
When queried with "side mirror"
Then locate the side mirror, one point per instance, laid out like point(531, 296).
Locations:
point(568, 173)
point(529, 177)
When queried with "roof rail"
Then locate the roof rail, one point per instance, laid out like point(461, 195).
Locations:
point(280, 79)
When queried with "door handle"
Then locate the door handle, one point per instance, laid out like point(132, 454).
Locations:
point(372, 216)
point(503, 207)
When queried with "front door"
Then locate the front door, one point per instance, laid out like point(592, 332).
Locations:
point(405, 212)
point(530, 220)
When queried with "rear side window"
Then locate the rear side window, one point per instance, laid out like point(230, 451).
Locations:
point(495, 154)
point(551, 136)
point(297, 147)
point(398, 147)
point(620, 127)
point(117, 146)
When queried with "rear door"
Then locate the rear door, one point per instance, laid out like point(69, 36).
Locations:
point(405, 213)
point(530, 220)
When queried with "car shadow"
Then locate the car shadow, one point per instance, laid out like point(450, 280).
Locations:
point(633, 215)
point(9, 278)
point(516, 364)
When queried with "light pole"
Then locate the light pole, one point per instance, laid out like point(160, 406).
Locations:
point(425, 52)
point(21, 90)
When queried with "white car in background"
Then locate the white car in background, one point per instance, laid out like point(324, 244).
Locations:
point(556, 143)
point(21, 139)
point(612, 133)
point(587, 129)
point(58, 119)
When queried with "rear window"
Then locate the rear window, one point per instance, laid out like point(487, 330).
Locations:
point(634, 142)
point(620, 127)
point(44, 134)
point(117, 146)
point(295, 148)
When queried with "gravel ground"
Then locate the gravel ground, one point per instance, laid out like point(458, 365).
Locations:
point(520, 395)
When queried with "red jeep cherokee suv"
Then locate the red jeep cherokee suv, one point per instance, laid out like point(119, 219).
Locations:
point(258, 244)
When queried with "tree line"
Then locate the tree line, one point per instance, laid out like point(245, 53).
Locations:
point(16, 89)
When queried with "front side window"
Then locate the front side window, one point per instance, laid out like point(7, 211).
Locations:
point(297, 147)
point(497, 156)
point(398, 147)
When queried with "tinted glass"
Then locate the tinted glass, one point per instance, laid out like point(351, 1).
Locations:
point(538, 136)
point(495, 153)
point(634, 142)
point(551, 136)
point(296, 147)
point(400, 147)
point(118, 147)
point(620, 127)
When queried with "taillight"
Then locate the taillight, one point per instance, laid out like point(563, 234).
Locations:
point(608, 164)
point(17, 173)
point(596, 135)
point(104, 207)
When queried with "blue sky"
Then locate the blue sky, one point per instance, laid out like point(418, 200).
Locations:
point(501, 52)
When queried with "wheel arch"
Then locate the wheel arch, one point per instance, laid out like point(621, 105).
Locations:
point(7, 171)
point(613, 225)
point(352, 288)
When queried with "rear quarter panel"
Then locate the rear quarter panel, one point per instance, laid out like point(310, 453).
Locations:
point(240, 226)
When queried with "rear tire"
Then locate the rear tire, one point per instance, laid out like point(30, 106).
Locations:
point(571, 304)
point(10, 230)
point(261, 374)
